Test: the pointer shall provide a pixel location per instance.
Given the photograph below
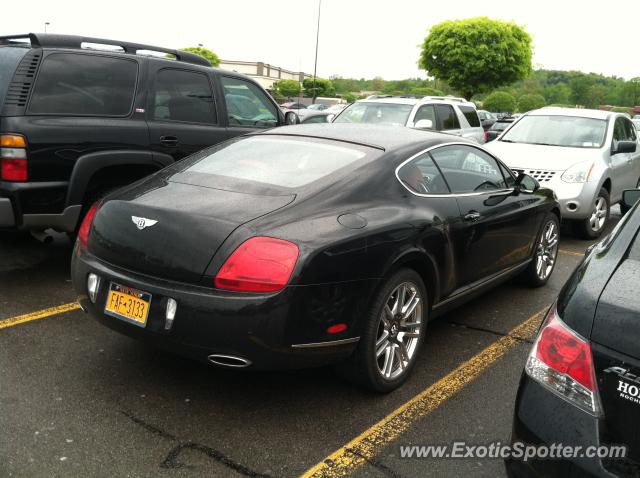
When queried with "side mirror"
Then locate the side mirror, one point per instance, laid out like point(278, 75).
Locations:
point(524, 182)
point(424, 124)
point(291, 118)
point(630, 197)
point(330, 118)
point(624, 147)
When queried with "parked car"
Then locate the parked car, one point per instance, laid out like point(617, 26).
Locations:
point(317, 107)
point(310, 245)
point(588, 157)
point(316, 117)
point(487, 119)
point(497, 128)
point(581, 383)
point(291, 105)
point(440, 113)
point(76, 123)
point(636, 123)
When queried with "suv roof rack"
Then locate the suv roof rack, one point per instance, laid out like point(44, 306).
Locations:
point(448, 98)
point(50, 40)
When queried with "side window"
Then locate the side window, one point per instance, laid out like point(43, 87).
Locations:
point(509, 182)
point(182, 95)
point(630, 131)
point(427, 112)
point(471, 115)
point(447, 117)
point(247, 104)
point(619, 132)
point(422, 176)
point(468, 169)
point(84, 85)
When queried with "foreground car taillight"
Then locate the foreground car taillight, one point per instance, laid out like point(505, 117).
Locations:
point(561, 361)
point(13, 158)
point(260, 264)
point(87, 222)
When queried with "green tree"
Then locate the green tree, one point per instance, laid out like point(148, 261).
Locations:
point(580, 86)
point(557, 94)
point(288, 88)
point(348, 97)
point(477, 54)
point(500, 102)
point(204, 52)
point(426, 91)
point(530, 102)
point(323, 87)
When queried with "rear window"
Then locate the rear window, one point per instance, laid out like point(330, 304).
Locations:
point(84, 85)
point(499, 126)
point(471, 114)
point(376, 113)
point(9, 59)
point(280, 161)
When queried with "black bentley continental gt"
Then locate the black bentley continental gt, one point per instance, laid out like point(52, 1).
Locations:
point(581, 383)
point(310, 245)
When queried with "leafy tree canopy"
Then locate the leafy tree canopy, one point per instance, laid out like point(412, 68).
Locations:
point(500, 102)
point(530, 102)
point(323, 87)
point(477, 55)
point(288, 88)
point(204, 52)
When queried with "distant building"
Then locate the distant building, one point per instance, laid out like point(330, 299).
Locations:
point(263, 73)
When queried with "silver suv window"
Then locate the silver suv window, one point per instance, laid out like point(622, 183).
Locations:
point(395, 114)
point(553, 130)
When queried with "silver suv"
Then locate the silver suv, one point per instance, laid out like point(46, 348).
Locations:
point(440, 113)
point(588, 157)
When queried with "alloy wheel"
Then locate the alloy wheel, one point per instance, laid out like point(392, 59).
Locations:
point(547, 250)
point(599, 214)
point(399, 330)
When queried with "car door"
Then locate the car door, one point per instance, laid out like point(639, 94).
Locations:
point(621, 163)
point(247, 107)
point(634, 158)
point(498, 226)
point(447, 119)
point(181, 112)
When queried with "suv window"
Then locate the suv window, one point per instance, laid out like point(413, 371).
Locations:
point(423, 176)
point(181, 95)
point(9, 59)
point(427, 112)
point(467, 169)
point(630, 130)
point(81, 84)
point(447, 117)
point(247, 105)
point(471, 115)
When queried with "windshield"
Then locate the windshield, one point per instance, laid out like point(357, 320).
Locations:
point(570, 131)
point(9, 59)
point(279, 161)
point(376, 113)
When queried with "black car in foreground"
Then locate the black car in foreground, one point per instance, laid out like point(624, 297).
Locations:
point(310, 245)
point(581, 384)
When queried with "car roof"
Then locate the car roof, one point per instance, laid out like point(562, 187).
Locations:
point(394, 100)
point(577, 112)
point(377, 136)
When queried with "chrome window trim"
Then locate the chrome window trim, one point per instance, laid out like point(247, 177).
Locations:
point(449, 195)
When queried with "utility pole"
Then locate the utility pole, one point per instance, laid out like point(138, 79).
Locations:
point(46, 24)
point(315, 66)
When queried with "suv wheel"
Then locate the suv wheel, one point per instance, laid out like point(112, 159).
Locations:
point(592, 226)
point(392, 335)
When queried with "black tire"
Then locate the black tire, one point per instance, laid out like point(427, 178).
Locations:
point(584, 228)
point(363, 366)
point(531, 275)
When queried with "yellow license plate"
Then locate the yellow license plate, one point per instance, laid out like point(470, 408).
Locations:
point(128, 304)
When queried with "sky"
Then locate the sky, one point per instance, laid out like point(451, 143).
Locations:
point(358, 38)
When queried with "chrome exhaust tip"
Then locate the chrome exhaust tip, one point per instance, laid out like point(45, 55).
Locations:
point(228, 361)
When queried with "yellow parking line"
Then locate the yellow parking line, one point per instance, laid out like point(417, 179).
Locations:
point(571, 253)
point(363, 448)
point(41, 314)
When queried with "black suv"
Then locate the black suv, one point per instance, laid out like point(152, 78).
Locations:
point(80, 117)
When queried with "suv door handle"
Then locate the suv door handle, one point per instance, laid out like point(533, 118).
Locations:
point(169, 141)
point(472, 216)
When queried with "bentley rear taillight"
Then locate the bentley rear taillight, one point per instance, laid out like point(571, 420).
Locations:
point(87, 222)
point(561, 361)
point(260, 264)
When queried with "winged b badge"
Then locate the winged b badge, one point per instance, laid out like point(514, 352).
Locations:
point(142, 222)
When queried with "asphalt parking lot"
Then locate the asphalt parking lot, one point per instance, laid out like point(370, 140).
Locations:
point(77, 399)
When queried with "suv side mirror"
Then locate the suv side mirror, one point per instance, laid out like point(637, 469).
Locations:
point(291, 118)
point(524, 182)
point(624, 147)
point(423, 124)
point(630, 197)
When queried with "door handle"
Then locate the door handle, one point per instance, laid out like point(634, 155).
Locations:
point(169, 141)
point(472, 216)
